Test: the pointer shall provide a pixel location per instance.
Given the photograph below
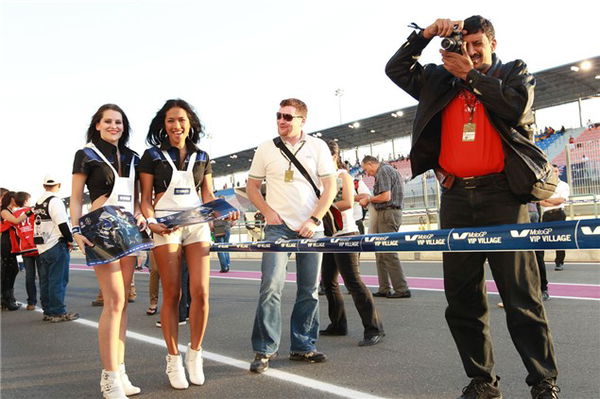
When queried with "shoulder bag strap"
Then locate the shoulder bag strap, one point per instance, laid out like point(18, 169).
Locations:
point(292, 158)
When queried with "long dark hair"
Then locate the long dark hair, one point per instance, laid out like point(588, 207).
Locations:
point(7, 199)
point(334, 148)
point(93, 134)
point(156, 133)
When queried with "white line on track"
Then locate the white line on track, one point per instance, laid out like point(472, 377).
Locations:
point(229, 361)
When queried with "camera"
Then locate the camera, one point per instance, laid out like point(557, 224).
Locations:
point(453, 42)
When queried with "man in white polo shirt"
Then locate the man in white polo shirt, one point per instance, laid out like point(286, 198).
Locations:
point(291, 210)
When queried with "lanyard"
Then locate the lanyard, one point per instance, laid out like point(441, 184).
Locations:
point(297, 151)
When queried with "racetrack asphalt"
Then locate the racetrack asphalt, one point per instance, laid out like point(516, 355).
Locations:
point(416, 359)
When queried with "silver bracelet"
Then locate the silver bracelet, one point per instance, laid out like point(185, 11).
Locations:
point(76, 230)
point(151, 221)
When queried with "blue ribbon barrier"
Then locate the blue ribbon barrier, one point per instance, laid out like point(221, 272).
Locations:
point(575, 234)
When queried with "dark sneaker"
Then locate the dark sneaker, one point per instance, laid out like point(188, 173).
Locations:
point(546, 389)
point(545, 296)
point(98, 302)
point(181, 323)
point(260, 364)
point(332, 331)
point(64, 317)
point(403, 294)
point(559, 267)
point(479, 389)
point(47, 317)
point(370, 341)
point(380, 294)
point(310, 357)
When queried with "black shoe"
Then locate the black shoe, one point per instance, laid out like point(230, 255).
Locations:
point(479, 389)
point(403, 294)
point(261, 362)
point(380, 294)
point(559, 267)
point(330, 331)
point(224, 270)
point(370, 341)
point(310, 357)
point(545, 296)
point(546, 389)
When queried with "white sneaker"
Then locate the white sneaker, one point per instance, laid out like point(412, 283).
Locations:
point(193, 363)
point(176, 372)
point(128, 387)
point(110, 385)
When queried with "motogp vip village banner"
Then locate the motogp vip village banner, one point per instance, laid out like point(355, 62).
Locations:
point(577, 234)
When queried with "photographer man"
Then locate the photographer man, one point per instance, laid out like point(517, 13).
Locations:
point(473, 126)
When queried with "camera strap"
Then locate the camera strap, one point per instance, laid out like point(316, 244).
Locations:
point(415, 26)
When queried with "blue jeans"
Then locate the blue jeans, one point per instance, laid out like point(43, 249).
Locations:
point(31, 264)
point(304, 323)
point(224, 256)
point(54, 277)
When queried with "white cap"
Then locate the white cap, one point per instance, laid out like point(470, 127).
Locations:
point(51, 180)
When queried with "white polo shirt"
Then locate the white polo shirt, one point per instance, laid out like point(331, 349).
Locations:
point(294, 201)
point(562, 191)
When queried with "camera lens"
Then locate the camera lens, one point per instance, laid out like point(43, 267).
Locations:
point(448, 44)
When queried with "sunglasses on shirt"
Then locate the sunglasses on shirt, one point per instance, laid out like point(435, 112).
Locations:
point(287, 117)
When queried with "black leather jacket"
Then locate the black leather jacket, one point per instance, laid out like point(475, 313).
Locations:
point(506, 92)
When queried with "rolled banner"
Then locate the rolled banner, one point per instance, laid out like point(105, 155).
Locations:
point(214, 210)
point(575, 234)
point(114, 233)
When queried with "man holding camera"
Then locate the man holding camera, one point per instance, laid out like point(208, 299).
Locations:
point(473, 126)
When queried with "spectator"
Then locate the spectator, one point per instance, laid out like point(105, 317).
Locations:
point(54, 242)
point(9, 266)
point(222, 233)
point(388, 194)
point(554, 210)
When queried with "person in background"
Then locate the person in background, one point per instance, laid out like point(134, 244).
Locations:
point(360, 191)
point(554, 210)
point(347, 264)
point(31, 257)
point(388, 194)
point(222, 233)
point(9, 265)
point(108, 168)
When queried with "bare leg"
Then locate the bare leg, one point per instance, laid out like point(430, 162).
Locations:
point(198, 260)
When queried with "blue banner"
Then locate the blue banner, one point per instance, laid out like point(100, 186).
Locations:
point(576, 234)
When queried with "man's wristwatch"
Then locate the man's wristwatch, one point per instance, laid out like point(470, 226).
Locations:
point(316, 220)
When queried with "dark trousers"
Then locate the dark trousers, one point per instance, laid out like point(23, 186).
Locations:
point(534, 217)
point(346, 264)
point(555, 215)
point(31, 269)
point(9, 268)
point(517, 278)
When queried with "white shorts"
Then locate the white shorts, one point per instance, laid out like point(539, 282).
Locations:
point(185, 235)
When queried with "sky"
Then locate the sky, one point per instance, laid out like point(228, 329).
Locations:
point(234, 61)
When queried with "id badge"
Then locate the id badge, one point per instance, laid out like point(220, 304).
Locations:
point(289, 176)
point(468, 132)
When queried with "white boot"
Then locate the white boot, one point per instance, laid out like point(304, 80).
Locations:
point(176, 372)
point(110, 385)
point(193, 363)
point(128, 387)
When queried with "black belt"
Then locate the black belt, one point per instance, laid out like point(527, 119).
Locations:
point(555, 210)
point(389, 207)
point(479, 181)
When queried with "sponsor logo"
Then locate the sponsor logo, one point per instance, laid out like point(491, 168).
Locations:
point(262, 245)
point(469, 234)
point(587, 230)
point(182, 191)
point(528, 232)
point(376, 238)
point(416, 237)
point(124, 198)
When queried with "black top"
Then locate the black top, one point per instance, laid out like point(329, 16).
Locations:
point(153, 162)
point(100, 178)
